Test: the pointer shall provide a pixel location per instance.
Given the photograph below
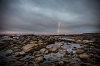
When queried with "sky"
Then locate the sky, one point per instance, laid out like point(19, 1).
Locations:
point(43, 16)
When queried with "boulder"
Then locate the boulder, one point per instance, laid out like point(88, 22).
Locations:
point(79, 51)
point(63, 51)
point(9, 52)
point(53, 49)
point(38, 55)
point(20, 53)
point(60, 62)
point(46, 63)
point(46, 52)
point(84, 56)
point(28, 47)
point(39, 59)
point(49, 46)
point(42, 51)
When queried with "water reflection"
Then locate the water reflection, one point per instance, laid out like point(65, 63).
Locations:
point(62, 48)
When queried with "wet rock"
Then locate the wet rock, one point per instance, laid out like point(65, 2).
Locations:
point(53, 49)
point(46, 52)
point(58, 45)
point(43, 50)
point(36, 52)
point(46, 64)
point(39, 59)
point(28, 47)
point(38, 55)
point(9, 52)
point(32, 42)
point(63, 52)
point(66, 60)
point(53, 57)
point(84, 56)
point(74, 48)
point(17, 63)
point(79, 51)
point(49, 46)
point(87, 41)
point(78, 41)
point(27, 57)
point(60, 63)
point(34, 64)
point(15, 47)
point(20, 53)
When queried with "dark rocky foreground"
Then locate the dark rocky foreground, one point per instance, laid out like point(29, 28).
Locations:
point(52, 50)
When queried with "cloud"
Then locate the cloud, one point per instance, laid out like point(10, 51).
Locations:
point(44, 15)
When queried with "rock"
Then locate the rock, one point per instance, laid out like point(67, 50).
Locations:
point(58, 45)
point(47, 63)
point(53, 65)
point(79, 51)
point(20, 53)
point(62, 48)
point(15, 47)
point(87, 41)
point(66, 60)
point(34, 64)
point(27, 57)
point(84, 56)
point(53, 49)
point(49, 46)
point(28, 47)
point(9, 52)
point(79, 41)
point(60, 62)
point(43, 50)
point(36, 52)
point(38, 55)
point(74, 48)
point(38, 59)
point(32, 42)
point(63, 52)
point(17, 63)
point(46, 52)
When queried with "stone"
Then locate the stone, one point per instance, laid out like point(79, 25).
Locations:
point(60, 62)
point(79, 41)
point(38, 59)
point(84, 56)
point(42, 51)
point(53, 49)
point(9, 52)
point(47, 63)
point(46, 52)
point(38, 55)
point(48, 46)
point(28, 47)
point(79, 51)
point(66, 60)
point(27, 57)
point(20, 53)
point(35, 64)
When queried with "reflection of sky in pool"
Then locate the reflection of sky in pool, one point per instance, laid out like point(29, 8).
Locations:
point(69, 47)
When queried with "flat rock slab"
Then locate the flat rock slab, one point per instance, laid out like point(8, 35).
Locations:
point(28, 47)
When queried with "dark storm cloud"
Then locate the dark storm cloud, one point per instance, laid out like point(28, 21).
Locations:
point(76, 16)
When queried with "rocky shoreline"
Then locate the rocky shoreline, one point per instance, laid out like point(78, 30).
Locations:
point(37, 51)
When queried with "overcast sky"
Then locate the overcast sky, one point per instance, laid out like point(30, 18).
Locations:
point(75, 16)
